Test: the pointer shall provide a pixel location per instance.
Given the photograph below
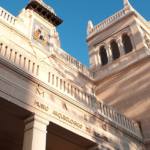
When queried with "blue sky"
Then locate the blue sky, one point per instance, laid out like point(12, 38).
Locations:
point(76, 14)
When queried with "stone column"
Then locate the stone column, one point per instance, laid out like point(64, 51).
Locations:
point(99, 62)
point(35, 133)
point(109, 53)
point(120, 45)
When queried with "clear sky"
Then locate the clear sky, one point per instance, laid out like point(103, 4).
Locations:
point(76, 14)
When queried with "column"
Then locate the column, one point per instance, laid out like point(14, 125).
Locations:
point(109, 53)
point(98, 62)
point(120, 45)
point(35, 133)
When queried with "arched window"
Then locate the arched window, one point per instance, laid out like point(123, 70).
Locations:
point(115, 49)
point(103, 55)
point(127, 43)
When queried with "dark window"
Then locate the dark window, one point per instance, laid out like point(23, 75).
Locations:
point(127, 43)
point(115, 50)
point(103, 55)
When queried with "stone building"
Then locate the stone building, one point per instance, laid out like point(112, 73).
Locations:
point(50, 101)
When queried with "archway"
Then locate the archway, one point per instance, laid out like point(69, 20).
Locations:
point(103, 55)
point(127, 43)
point(115, 50)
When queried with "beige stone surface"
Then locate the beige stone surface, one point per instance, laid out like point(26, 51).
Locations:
point(56, 89)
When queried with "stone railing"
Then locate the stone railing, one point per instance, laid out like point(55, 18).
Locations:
point(104, 24)
point(119, 119)
point(72, 62)
point(7, 17)
point(18, 59)
point(67, 88)
point(70, 89)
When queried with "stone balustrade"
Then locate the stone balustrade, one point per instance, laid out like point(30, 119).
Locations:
point(104, 24)
point(7, 17)
point(72, 62)
point(69, 89)
point(18, 59)
point(117, 118)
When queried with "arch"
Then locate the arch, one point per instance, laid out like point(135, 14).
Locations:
point(115, 50)
point(127, 43)
point(103, 55)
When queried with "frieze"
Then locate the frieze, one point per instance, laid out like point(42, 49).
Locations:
point(67, 119)
point(44, 107)
point(63, 117)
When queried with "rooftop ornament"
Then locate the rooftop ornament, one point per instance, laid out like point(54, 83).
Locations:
point(44, 11)
point(127, 5)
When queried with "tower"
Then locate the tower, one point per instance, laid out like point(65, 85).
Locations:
point(119, 59)
point(40, 21)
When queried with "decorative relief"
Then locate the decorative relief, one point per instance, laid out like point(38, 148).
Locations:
point(41, 35)
point(104, 126)
point(40, 92)
point(64, 106)
point(41, 106)
point(89, 130)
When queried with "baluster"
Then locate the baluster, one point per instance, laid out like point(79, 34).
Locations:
point(37, 70)
point(1, 12)
point(64, 84)
point(33, 68)
point(3, 49)
point(15, 57)
point(1, 46)
point(20, 58)
point(52, 79)
point(7, 17)
point(56, 81)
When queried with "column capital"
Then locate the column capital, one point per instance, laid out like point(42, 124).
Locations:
point(36, 118)
point(107, 46)
point(119, 39)
point(37, 122)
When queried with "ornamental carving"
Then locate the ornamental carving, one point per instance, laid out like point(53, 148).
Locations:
point(41, 35)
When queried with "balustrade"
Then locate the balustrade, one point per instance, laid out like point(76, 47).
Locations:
point(72, 62)
point(117, 118)
point(71, 90)
point(5, 15)
point(104, 24)
point(18, 59)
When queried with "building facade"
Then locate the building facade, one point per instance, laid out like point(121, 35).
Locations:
point(51, 101)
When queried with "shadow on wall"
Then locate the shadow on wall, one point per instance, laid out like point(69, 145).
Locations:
point(129, 93)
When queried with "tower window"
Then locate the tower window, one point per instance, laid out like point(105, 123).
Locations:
point(103, 55)
point(115, 50)
point(127, 43)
